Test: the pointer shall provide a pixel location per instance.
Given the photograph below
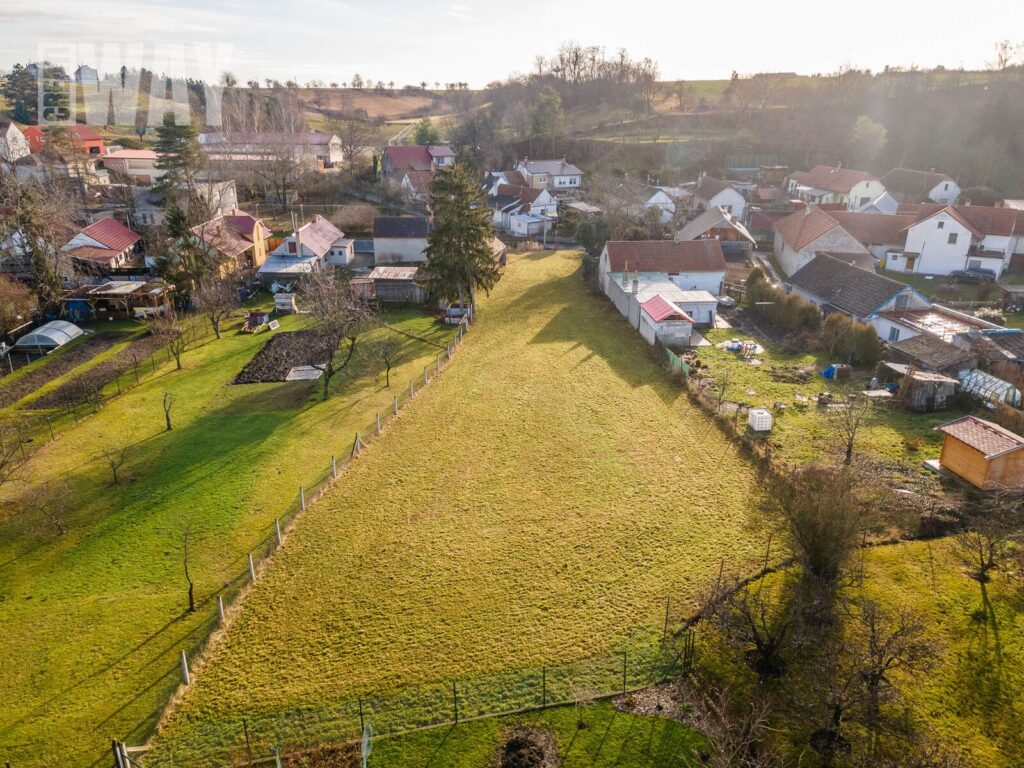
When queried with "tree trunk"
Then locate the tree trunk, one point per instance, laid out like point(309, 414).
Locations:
point(215, 322)
point(191, 598)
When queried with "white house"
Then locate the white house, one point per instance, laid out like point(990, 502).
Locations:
point(104, 245)
point(400, 239)
point(692, 265)
point(520, 208)
point(666, 200)
point(880, 234)
point(712, 193)
point(553, 174)
point(828, 184)
point(799, 237)
point(910, 186)
point(416, 185)
point(135, 165)
point(13, 144)
point(308, 248)
point(313, 149)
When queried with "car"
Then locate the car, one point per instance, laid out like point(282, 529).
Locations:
point(974, 275)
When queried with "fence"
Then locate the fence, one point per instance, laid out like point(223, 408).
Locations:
point(24, 433)
point(676, 363)
point(236, 588)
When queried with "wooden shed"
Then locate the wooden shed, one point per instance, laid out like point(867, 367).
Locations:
point(922, 391)
point(984, 454)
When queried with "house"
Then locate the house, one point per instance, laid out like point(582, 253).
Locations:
point(416, 185)
point(894, 323)
point(984, 454)
point(667, 200)
point(399, 285)
point(884, 204)
point(86, 74)
point(946, 239)
point(13, 144)
point(104, 246)
point(400, 239)
point(835, 185)
point(910, 186)
point(661, 320)
point(137, 166)
point(117, 300)
point(552, 174)
point(922, 391)
point(314, 150)
point(717, 224)
point(628, 291)
point(711, 192)
point(880, 234)
point(398, 160)
point(523, 211)
point(496, 178)
point(926, 352)
point(82, 138)
point(799, 237)
point(53, 163)
point(307, 249)
point(237, 240)
point(837, 285)
point(690, 265)
point(149, 206)
point(991, 346)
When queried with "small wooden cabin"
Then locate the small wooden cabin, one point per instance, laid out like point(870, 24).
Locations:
point(984, 454)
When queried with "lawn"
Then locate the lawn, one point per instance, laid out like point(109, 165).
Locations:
point(536, 506)
point(93, 620)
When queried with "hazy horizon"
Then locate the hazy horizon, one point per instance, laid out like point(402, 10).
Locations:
point(408, 42)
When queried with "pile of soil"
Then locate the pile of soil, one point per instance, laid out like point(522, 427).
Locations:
point(13, 391)
point(73, 391)
point(283, 352)
point(528, 746)
point(661, 700)
point(788, 374)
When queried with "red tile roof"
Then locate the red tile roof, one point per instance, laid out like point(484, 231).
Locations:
point(420, 181)
point(989, 439)
point(708, 187)
point(319, 235)
point(802, 228)
point(660, 310)
point(665, 256)
point(832, 178)
point(873, 228)
point(525, 194)
point(413, 158)
point(232, 234)
point(95, 255)
point(112, 234)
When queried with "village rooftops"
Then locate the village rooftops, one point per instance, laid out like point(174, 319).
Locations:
point(937, 320)
point(265, 137)
point(659, 309)
point(988, 439)
point(713, 218)
point(665, 256)
point(401, 227)
point(979, 219)
point(907, 181)
point(112, 234)
point(526, 195)
point(317, 237)
point(708, 187)
point(831, 178)
point(419, 181)
point(873, 228)
point(932, 353)
point(552, 167)
point(846, 287)
point(802, 228)
point(233, 233)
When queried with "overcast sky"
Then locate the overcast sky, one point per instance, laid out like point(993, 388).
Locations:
point(407, 41)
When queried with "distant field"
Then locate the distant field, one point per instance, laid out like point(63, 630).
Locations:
point(536, 505)
point(93, 620)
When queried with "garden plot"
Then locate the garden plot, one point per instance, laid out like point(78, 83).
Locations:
point(289, 356)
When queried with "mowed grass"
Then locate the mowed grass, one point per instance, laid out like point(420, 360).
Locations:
point(535, 505)
point(93, 621)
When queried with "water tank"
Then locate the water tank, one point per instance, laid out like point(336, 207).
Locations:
point(760, 420)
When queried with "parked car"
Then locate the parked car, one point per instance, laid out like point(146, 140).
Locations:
point(974, 275)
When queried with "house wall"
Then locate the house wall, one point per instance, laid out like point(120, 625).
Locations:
point(672, 332)
point(341, 255)
point(731, 200)
point(13, 144)
point(566, 182)
point(946, 192)
point(863, 192)
point(702, 312)
point(836, 239)
point(700, 281)
point(1007, 471)
point(930, 238)
point(399, 250)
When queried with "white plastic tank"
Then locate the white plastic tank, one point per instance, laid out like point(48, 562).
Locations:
point(760, 419)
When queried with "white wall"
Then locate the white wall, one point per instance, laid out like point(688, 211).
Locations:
point(731, 200)
point(399, 250)
point(341, 255)
point(946, 192)
point(836, 239)
point(930, 238)
point(884, 328)
point(869, 189)
point(700, 281)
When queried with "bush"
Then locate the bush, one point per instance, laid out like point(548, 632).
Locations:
point(782, 310)
point(849, 340)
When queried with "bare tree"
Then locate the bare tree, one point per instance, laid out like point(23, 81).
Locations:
point(185, 536)
point(51, 500)
point(583, 697)
point(737, 732)
point(168, 403)
point(847, 420)
point(339, 315)
point(217, 298)
point(115, 456)
point(169, 329)
point(987, 539)
point(389, 352)
point(12, 452)
point(354, 135)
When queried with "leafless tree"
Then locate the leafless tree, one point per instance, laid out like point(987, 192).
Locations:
point(989, 535)
point(846, 422)
point(115, 457)
point(338, 315)
point(737, 732)
point(354, 135)
point(583, 697)
point(389, 352)
point(51, 500)
point(186, 535)
point(168, 403)
point(12, 452)
point(217, 298)
point(170, 330)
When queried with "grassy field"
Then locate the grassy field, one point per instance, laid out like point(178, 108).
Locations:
point(535, 506)
point(93, 620)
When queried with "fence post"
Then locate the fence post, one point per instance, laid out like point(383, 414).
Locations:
point(438, 362)
point(412, 389)
point(117, 380)
point(50, 425)
point(185, 678)
point(425, 379)
point(302, 498)
point(334, 467)
point(355, 445)
point(455, 699)
point(396, 405)
point(277, 530)
point(544, 686)
point(623, 671)
point(252, 569)
point(378, 425)
point(220, 609)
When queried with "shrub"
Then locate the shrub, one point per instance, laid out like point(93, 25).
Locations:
point(782, 310)
point(850, 340)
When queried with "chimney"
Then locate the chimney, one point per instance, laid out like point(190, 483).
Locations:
point(636, 286)
point(298, 242)
point(807, 210)
point(839, 165)
point(625, 274)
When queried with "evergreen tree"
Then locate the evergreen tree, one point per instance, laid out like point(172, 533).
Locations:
point(425, 133)
point(459, 256)
point(548, 117)
point(180, 157)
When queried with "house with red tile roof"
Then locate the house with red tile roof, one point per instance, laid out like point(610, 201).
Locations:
point(691, 265)
point(307, 249)
point(661, 320)
point(398, 160)
point(237, 240)
point(104, 246)
point(801, 235)
point(83, 138)
point(826, 184)
point(416, 185)
point(137, 166)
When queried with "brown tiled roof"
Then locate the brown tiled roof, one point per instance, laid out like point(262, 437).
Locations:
point(907, 181)
point(931, 352)
point(515, 178)
point(708, 187)
point(832, 178)
point(232, 234)
point(665, 256)
point(873, 228)
point(980, 219)
point(987, 438)
point(112, 234)
point(802, 228)
point(525, 194)
point(846, 287)
point(420, 181)
point(415, 158)
point(95, 255)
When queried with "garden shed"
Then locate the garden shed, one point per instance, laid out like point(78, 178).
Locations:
point(661, 320)
point(984, 454)
point(922, 391)
point(48, 337)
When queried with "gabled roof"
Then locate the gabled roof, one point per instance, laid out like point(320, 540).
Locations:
point(873, 228)
point(708, 187)
point(985, 220)
point(401, 227)
point(415, 158)
point(832, 178)
point(989, 439)
point(80, 132)
point(419, 181)
point(394, 273)
point(954, 213)
point(95, 255)
point(665, 256)
point(265, 138)
point(440, 150)
point(514, 177)
point(802, 228)
point(112, 234)
point(931, 352)
point(659, 310)
point(233, 233)
point(848, 288)
point(552, 167)
point(319, 235)
point(526, 195)
point(907, 181)
point(713, 218)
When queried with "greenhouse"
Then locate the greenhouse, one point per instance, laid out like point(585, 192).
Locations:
point(987, 387)
point(48, 337)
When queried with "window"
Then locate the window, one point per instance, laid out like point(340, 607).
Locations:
point(974, 264)
point(894, 334)
point(945, 187)
point(727, 208)
point(940, 225)
point(952, 238)
point(902, 301)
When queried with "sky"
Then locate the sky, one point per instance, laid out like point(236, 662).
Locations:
point(409, 41)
